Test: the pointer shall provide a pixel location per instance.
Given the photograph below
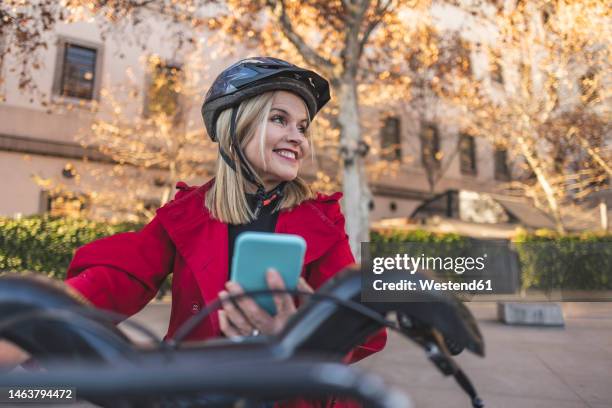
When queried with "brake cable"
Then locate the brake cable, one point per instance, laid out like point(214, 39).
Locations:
point(193, 321)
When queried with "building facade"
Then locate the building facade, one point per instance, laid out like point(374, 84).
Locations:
point(37, 136)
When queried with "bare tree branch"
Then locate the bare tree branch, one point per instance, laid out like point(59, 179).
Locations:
point(310, 55)
point(598, 159)
point(380, 14)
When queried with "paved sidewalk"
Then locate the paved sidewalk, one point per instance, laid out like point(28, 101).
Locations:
point(525, 367)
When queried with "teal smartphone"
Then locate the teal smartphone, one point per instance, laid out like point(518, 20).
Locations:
point(256, 252)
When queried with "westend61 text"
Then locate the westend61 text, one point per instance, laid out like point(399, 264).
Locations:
point(431, 284)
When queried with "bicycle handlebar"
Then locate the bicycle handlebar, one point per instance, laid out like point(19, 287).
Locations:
point(253, 379)
point(329, 328)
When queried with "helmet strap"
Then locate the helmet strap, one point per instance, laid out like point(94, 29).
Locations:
point(244, 164)
point(264, 198)
point(261, 194)
point(236, 146)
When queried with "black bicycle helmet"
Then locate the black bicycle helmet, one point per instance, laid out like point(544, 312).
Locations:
point(250, 77)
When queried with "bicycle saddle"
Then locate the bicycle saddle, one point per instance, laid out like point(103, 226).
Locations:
point(317, 322)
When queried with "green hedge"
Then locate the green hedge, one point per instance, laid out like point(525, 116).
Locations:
point(397, 236)
point(550, 261)
point(46, 244)
point(547, 260)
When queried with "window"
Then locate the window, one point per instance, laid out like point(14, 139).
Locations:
point(525, 77)
point(2, 50)
point(64, 205)
point(467, 154)
point(588, 87)
point(390, 139)
point(463, 57)
point(430, 146)
point(495, 67)
point(163, 93)
point(502, 171)
point(3, 55)
point(552, 88)
point(452, 58)
point(77, 70)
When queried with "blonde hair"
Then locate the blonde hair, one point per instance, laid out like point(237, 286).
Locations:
point(226, 199)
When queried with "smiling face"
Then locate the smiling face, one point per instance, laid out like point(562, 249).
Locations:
point(285, 145)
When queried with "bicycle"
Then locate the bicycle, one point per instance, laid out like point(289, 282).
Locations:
point(81, 346)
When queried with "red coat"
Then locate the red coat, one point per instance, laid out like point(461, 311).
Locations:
point(123, 272)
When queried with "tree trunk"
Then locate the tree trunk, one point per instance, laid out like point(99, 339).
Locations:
point(355, 185)
point(549, 192)
point(167, 191)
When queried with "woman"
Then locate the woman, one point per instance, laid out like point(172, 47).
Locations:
point(258, 111)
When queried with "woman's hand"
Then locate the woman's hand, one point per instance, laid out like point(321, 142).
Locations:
point(244, 317)
point(11, 355)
